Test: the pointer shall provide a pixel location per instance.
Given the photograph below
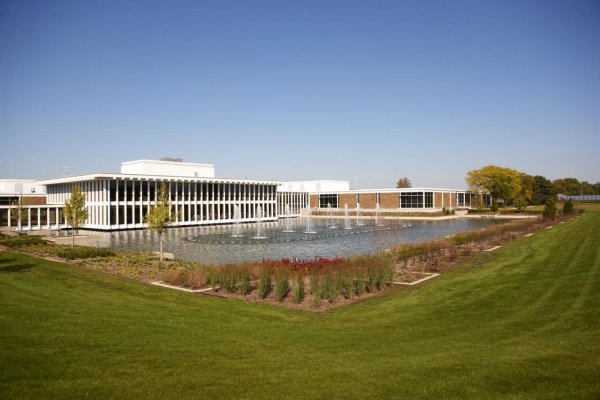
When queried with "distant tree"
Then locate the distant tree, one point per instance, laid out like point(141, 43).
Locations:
point(568, 186)
point(19, 212)
point(526, 195)
point(75, 211)
point(568, 207)
point(500, 183)
point(549, 209)
point(587, 188)
point(542, 189)
point(403, 183)
point(160, 216)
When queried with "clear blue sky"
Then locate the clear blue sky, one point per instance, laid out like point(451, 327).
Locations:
point(367, 91)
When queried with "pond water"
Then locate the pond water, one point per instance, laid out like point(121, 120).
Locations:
point(328, 238)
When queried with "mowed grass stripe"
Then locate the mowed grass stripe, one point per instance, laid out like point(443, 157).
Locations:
point(523, 324)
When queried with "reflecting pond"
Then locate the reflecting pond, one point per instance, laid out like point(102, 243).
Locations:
point(286, 238)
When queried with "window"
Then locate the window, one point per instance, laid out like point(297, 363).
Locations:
point(325, 199)
point(411, 200)
point(428, 199)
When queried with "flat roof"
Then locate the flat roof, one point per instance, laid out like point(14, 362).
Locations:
point(178, 163)
point(393, 190)
point(144, 177)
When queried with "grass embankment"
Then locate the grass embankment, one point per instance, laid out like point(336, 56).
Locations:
point(523, 325)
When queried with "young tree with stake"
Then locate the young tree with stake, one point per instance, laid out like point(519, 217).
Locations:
point(159, 216)
point(75, 211)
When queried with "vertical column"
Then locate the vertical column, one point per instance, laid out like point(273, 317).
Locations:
point(117, 222)
point(142, 201)
point(39, 218)
point(126, 201)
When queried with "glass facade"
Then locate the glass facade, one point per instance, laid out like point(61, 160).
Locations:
point(411, 200)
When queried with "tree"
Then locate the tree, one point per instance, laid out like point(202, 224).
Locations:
point(549, 209)
point(403, 183)
point(20, 213)
point(568, 207)
point(526, 195)
point(500, 183)
point(160, 216)
point(75, 211)
point(542, 189)
point(567, 186)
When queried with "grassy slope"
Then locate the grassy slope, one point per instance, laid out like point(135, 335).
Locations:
point(524, 325)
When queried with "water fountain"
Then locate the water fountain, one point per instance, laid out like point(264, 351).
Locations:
point(288, 220)
point(259, 215)
point(330, 220)
point(237, 217)
point(346, 217)
point(309, 228)
point(377, 223)
point(358, 215)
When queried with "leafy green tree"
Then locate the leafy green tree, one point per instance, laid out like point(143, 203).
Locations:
point(542, 189)
point(526, 195)
point(568, 186)
point(568, 207)
point(19, 212)
point(500, 183)
point(404, 183)
point(160, 216)
point(549, 209)
point(75, 211)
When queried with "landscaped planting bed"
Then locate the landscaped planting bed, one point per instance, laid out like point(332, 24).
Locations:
point(315, 285)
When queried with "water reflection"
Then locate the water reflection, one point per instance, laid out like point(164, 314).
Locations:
point(215, 244)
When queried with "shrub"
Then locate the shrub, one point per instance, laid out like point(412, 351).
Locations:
point(195, 279)
point(244, 281)
point(264, 282)
point(229, 278)
point(332, 286)
point(298, 288)
point(315, 288)
point(568, 208)
point(371, 281)
point(175, 277)
point(74, 253)
point(360, 284)
point(550, 209)
point(348, 286)
point(19, 241)
point(213, 279)
point(494, 207)
point(282, 284)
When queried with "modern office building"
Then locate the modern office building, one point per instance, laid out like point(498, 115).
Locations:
point(121, 200)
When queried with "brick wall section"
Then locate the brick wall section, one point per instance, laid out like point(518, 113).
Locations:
point(447, 200)
point(349, 199)
point(314, 200)
point(453, 199)
point(437, 200)
point(367, 200)
point(34, 200)
point(388, 200)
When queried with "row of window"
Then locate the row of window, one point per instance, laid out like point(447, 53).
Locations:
point(405, 200)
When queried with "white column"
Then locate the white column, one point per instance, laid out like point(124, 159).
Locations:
point(126, 203)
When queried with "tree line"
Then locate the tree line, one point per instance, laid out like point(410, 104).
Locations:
point(512, 187)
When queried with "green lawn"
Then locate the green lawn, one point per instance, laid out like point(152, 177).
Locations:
point(524, 325)
point(588, 207)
